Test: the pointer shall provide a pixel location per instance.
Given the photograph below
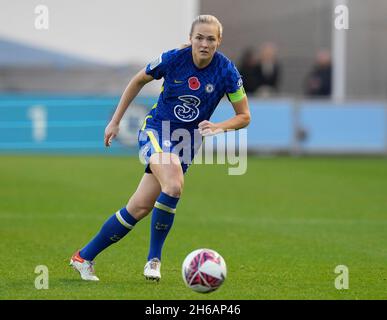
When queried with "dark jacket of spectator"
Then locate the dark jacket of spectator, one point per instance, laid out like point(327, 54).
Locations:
point(268, 75)
point(319, 79)
point(248, 71)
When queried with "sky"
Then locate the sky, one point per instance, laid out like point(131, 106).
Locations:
point(114, 32)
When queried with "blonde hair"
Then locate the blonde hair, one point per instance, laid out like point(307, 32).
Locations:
point(207, 18)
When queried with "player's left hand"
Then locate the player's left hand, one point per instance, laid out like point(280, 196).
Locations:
point(208, 128)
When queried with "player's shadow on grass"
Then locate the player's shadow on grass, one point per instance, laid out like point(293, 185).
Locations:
point(66, 281)
point(107, 282)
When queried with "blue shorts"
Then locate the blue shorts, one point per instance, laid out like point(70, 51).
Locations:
point(183, 142)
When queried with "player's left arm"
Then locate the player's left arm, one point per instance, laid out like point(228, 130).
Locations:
point(239, 121)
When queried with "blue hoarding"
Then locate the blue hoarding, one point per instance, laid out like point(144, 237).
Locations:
point(75, 124)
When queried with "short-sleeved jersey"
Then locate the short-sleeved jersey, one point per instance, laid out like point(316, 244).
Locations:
point(189, 94)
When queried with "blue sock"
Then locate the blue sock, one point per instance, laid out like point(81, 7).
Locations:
point(162, 220)
point(115, 228)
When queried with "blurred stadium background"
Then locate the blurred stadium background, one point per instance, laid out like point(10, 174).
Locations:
point(60, 86)
point(71, 75)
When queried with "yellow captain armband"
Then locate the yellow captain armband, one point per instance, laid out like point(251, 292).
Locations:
point(237, 95)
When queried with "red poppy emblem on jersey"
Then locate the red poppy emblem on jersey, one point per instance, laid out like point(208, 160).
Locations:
point(193, 83)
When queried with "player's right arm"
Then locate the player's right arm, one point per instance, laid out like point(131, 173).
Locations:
point(131, 91)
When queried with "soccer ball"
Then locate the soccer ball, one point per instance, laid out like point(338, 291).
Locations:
point(204, 270)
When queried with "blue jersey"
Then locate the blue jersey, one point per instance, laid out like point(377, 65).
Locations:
point(190, 95)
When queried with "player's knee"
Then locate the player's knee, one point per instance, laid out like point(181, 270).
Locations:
point(139, 210)
point(174, 188)
point(144, 210)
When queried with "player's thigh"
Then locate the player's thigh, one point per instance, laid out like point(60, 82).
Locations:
point(143, 199)
point(167, 169)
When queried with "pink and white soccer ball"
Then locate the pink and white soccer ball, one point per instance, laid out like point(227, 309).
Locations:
point(204, 270)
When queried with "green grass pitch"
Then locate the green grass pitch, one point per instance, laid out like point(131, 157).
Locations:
point(282, 228)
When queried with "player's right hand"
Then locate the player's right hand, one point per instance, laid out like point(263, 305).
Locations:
point(111, 132)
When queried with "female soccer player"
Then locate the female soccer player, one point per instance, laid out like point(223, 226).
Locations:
point(196, 78)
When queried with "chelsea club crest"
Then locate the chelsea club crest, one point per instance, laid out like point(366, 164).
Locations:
point(209, 88)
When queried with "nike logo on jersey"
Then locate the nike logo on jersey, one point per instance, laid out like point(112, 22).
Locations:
point(178, 81)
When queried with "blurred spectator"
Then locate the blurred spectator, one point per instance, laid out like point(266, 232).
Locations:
point(268, 69)
point(248, 70)
point(319, 79)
